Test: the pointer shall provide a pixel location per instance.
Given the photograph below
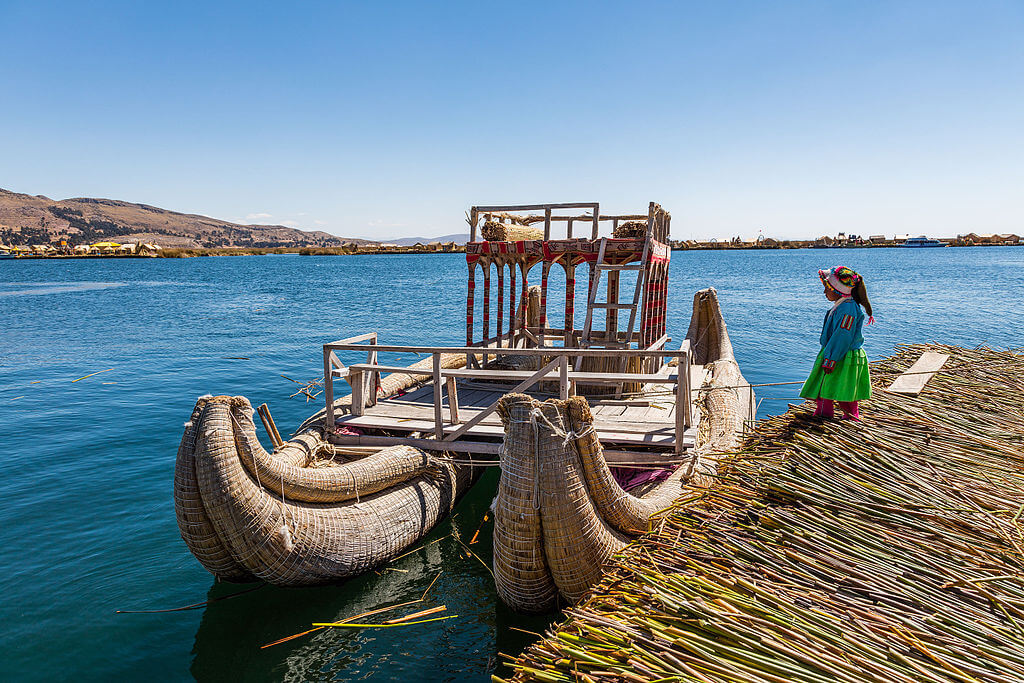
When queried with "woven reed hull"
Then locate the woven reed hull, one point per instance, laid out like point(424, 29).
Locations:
point(247, 514)
point(560, 515)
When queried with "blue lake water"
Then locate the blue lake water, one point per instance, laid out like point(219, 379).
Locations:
point(86, 515)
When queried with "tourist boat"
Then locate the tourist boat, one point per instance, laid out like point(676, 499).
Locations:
point(557, 407)
point(922, 241)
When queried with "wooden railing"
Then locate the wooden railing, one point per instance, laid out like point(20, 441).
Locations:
point(364, 377)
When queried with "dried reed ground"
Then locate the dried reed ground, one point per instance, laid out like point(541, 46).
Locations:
point(886, 550)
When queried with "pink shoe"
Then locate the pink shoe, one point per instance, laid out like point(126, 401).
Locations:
point(851, 411)
point(824, 408)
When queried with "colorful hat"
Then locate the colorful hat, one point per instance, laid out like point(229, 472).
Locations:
point(840, 278)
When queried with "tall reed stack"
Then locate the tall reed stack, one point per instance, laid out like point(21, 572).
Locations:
point(886, 550)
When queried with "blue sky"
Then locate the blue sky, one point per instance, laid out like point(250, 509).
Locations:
point(381, 120)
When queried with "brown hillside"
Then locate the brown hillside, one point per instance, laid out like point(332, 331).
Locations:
point(27, 219)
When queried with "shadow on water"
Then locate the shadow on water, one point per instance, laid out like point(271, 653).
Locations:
point(231, 632)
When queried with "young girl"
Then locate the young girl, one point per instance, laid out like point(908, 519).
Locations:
point(841, 371)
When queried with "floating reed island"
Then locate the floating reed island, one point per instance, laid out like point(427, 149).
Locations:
point(890, 549)
point(556, 407)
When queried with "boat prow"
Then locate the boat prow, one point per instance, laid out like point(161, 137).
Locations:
point(305, 514)
point(560, 513)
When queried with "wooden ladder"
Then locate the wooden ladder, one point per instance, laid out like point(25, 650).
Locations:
point(592, 303)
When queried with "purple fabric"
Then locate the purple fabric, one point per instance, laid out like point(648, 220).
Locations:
point(631, 477)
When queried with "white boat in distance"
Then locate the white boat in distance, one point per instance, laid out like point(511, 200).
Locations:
point(923, 241)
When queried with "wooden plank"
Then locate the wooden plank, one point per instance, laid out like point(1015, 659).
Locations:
point(383, 416)
point(912, 381)
point(663, 436)
point(615, 458)
point(425, 444)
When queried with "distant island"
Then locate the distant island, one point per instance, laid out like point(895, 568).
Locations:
point(27, 220)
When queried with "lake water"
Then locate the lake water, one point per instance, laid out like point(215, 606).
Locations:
point(86, 515)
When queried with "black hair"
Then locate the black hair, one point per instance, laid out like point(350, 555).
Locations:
point(860, 295)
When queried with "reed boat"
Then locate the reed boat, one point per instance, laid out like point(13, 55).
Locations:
point(596, 427)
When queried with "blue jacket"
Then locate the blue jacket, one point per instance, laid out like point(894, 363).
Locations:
point(841, 332)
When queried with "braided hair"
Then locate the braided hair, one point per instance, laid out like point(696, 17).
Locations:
point(860, 295)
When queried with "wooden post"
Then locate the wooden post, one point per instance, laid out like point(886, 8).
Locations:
point(563, 377)
point(689, 385)
point(611, 322)
point(329, 390)
point(372, 378)
point(358, 386)
point(438, 419)
point(486, 332)
point(501, 299)
point(547, 224)
point(568, 229)
point(472, 224)
point(544, 270)
point(597, 216)
point(453, 400)
point(512, 304)
point(470, 291)
point(570, 301)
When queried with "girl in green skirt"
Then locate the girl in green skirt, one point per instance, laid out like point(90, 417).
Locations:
point(841, 370)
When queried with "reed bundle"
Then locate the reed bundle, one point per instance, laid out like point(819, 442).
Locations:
point(630, 229)
point(507, 232)
point(886, 550)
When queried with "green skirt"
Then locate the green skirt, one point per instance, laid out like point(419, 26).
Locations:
point(849, 381)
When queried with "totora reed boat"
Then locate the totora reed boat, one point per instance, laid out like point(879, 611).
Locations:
point(596, 428)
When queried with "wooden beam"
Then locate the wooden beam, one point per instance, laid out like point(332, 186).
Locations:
point(538, 207)
point(506, 351)
point(912, 381)
point(329, 389)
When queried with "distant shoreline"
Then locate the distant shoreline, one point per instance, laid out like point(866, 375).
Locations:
point(460, 249)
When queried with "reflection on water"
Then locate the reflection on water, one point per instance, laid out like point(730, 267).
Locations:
point(227, 643)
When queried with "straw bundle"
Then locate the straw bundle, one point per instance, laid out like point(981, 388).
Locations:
point(630, 230)
point(885, 550)
point(494, 231)
point(521, 573)
point(241, 525)
point(547, 534)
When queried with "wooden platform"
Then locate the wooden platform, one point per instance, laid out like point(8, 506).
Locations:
point(647, 421)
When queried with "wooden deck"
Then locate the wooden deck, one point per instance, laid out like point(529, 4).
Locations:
point(646, 421)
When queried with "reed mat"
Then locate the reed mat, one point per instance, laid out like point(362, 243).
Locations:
point(890, 549)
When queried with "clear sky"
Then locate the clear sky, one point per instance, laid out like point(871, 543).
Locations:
point(389, 119)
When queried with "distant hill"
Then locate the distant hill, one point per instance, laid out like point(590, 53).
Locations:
point(458, 238)
point(27, 219)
